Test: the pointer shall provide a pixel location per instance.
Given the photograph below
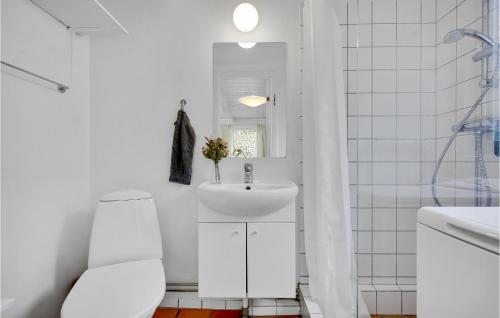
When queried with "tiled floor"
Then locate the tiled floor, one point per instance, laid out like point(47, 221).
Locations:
point(257, 307)
point(203, 313)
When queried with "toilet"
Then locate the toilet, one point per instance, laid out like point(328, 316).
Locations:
point(125, 276)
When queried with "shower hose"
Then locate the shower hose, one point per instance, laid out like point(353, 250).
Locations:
point(478, 150)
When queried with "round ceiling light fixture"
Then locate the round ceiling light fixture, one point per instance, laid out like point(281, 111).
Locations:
point(253, 100)
point(245, 17)
point(247, 45)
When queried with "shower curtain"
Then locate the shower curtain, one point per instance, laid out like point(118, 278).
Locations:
point(328, 236)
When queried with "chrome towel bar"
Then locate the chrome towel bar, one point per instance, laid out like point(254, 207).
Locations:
point(61, 88)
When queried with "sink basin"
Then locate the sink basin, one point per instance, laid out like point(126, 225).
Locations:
point(248, 199)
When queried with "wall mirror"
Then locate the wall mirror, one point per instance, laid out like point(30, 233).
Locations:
point(250, 98)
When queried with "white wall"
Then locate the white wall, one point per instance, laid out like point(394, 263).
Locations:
point(45, 161)
point(137, 82)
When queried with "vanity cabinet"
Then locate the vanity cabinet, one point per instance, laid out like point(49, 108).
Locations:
point(254, 260)
point(222, 260)
point(271, 260)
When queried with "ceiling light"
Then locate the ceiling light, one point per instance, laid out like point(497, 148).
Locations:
point(245, 17)
point(253, 100)
point(246, 45)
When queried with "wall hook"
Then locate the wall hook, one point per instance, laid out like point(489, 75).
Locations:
point(183, 103)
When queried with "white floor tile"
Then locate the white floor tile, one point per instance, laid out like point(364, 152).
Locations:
point(170, 302)
point(287, 302)
point(263, 311)
point(189, 303)
point(234, 304)
point(213, 304)
point(288, 311)
point(263, 302)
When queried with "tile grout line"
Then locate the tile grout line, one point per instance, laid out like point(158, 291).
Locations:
point(397, 142)
point(371, 145)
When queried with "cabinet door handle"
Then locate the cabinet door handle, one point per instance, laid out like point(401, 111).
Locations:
point(253, 233)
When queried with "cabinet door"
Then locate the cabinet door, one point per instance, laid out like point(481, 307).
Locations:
point(222, 260)
point(271, 260)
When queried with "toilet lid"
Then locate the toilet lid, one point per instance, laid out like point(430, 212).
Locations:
point(126, 290)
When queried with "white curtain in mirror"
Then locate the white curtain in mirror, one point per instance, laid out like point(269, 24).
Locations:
point(328, 236)
point(227, 134)
point(261, 141)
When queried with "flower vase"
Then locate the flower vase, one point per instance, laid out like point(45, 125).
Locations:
point(216, 174)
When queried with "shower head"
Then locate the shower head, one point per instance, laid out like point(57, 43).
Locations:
point(458, 34)
point(453, 36)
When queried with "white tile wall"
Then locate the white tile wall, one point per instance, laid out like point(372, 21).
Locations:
point(428, 11)
point(409, 34)
point(384, 11)
point(384, 219)
point(408, 11)
point(395, 111)
point(384, 57)
point(384, 265)
point(384, 127)
point(383, 35)
point(384, 150)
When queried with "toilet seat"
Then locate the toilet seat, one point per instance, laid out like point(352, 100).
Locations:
point(124, 290)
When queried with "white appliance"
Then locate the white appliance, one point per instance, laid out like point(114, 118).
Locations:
point(457, 262)
point(125, 278)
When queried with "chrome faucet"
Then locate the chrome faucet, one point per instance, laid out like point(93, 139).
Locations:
point(248, 176)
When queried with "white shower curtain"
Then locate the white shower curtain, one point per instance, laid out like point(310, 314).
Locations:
point(329, 246)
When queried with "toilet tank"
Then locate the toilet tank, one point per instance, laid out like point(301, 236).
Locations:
point(125, 229)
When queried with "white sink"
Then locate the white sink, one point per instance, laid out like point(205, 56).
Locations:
point(247, 198)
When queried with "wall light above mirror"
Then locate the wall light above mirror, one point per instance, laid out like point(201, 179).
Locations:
point(250, 98)
point(245, 17)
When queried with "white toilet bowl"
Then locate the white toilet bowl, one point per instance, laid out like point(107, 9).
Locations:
point(125, 278)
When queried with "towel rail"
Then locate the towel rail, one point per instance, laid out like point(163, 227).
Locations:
point(61, 88)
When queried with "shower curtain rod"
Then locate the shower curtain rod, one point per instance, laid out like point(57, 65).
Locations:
point(61, 88)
